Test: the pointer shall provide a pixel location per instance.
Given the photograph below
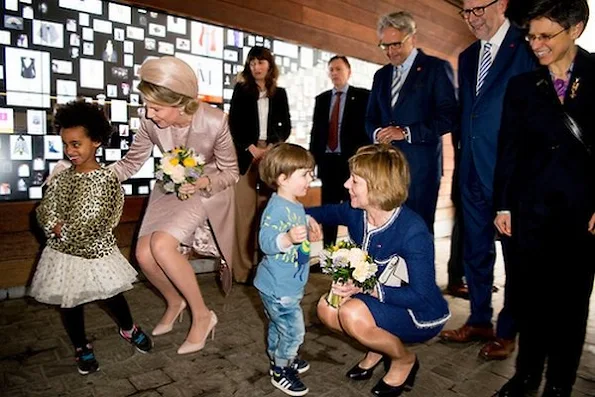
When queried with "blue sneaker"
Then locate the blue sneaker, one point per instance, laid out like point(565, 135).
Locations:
point(298, 364)
point(138, 339)
point(85, 360)
point(288, 381)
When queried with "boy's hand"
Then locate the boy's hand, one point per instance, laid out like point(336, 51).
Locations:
point(297, 234)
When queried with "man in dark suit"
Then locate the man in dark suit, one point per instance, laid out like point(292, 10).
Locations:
point(338, 130)
point(484, 70)
point(412, 104)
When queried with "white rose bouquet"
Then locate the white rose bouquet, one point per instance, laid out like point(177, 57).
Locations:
point(179, 166)
point(344, 261)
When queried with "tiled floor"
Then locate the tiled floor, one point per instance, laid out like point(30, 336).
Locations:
point(36, 359)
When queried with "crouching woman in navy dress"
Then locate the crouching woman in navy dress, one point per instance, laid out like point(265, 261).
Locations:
point(406, 306)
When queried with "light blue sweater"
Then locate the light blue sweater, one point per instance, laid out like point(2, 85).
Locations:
point(282, 272)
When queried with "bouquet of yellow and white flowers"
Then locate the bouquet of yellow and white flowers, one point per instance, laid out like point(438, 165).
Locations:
point(345, 261)
point(179, 166)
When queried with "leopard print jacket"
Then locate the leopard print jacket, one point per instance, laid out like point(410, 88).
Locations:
point(89, 205)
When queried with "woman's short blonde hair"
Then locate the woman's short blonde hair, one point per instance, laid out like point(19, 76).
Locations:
point(283, 158)
point(166, 97)
point(386, 172)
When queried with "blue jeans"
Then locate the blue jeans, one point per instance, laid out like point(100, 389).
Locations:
point(286, 327)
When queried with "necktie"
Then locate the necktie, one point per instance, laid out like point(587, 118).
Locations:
point(395, 86)
point(333, 128)
point(484, 66)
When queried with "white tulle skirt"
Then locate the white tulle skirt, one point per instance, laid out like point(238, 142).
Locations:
point(68, 280)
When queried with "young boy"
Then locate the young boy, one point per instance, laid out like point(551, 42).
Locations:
point(283, 271)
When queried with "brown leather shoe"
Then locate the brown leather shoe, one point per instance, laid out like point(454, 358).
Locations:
point(458, 290)
point(468, 333)
point(498, 349)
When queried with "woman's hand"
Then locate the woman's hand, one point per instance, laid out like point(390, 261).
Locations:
point(345, 290)
point(592, 224)
point(188, 189)
point(314, 229)
point(257, 153)
point(503, 223)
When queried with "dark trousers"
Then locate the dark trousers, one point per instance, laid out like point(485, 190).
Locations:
point(557, 282)
point(480, 255)
point(456, 267)
point(333, 171)
point(73, 318)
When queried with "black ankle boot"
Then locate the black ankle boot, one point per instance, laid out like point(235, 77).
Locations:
point(519, 385)
point(556, 391)
point(385, 390)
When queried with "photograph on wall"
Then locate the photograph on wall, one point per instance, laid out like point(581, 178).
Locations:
point(61, 67)
point(36, 122)
point(49, 34)
point(12, 22)
point(52, 147)
point(27, 77)
point(176, 24)
point(92, 6)
point(6, 121)
point(207, 39)
point(20, 147)
point(210, 76)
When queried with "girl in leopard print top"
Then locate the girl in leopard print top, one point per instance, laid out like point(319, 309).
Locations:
point(81, 261)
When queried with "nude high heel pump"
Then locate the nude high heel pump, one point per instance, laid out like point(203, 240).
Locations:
point(189, 347)
point(161, 329)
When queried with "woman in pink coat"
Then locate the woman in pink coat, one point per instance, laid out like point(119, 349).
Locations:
point(175, 117)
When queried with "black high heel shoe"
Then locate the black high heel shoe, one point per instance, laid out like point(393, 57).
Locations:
point(385, 390)
point(359, 373)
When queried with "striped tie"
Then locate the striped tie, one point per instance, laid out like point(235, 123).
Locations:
point(484, 66)
point(396, 86)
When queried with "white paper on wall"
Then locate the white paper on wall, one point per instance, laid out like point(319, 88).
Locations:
point(102, 26)
point(91, 71)
point(92, 6)
point(176, 24)
point(119, 111)
point(210, 76)
point(48, 34)
point(119, 13)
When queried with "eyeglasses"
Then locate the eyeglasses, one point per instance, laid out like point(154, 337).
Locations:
point(395, 46)
point(477, 11)
point(543, 37)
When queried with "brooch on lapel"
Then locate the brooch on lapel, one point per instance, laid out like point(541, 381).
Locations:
point(511, 45)
point(574, 87)
point(418, 69)
point(540, 82)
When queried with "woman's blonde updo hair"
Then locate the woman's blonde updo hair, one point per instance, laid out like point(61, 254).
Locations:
point(169, 81)
point(166, 97)
point(386, 172)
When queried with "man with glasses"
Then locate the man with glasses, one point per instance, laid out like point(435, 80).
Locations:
point(484, 70)
point(412, 104)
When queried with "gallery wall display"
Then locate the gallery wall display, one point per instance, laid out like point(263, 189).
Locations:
point(52, 52)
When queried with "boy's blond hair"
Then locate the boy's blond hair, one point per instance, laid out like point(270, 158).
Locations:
point(283, 158)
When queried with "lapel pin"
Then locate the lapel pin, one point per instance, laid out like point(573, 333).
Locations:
point(511, 45)
point(574, 87)
point(419, 69)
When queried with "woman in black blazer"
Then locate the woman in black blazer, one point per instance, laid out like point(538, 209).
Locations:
point(258, 118)
point(545, 197)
